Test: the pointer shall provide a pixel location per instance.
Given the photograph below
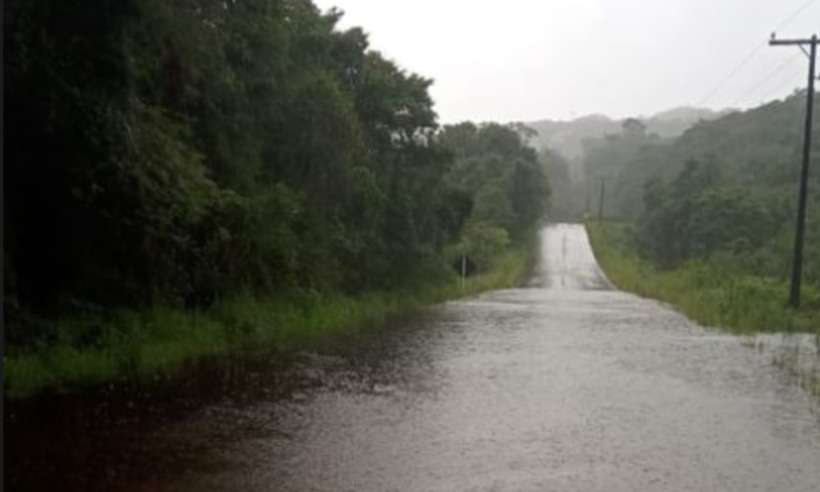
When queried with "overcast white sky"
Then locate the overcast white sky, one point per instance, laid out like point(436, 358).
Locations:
point(521, 60)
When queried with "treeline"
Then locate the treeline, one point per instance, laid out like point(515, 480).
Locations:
point(504, 181)
point(724, 192)
point(175, 152)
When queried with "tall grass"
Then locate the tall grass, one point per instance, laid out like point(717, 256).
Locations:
point(135, 345)
point(709, 292)
point(705, 291)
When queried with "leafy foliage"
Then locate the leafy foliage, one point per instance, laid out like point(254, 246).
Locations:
point(709, 291)
point(724, 191)
point(171, 153)
point(494, 165)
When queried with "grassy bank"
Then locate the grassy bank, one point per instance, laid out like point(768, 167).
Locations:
point(706, 291)
point(134, 345)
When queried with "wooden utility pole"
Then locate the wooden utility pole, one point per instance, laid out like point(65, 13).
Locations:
point(601, 200)
point(797, 267)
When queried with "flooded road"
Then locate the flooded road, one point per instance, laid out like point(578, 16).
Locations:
point(566, 385)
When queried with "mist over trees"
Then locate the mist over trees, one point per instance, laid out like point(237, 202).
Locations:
point(175, 152)
point(502, 176)
point(725, 190)
point(568, 148)
point(567, 137)
point(566, 193)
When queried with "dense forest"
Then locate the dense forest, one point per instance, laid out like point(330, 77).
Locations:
point(174, 153)
point(566, 145)
point(725, 191)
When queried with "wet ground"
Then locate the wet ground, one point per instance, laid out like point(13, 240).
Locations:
point(563, 385)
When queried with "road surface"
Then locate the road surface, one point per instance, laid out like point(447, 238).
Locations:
point(566, 385)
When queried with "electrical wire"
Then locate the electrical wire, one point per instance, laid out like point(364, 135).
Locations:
point(734, 72)
point(788, 20)
point(765, 79)
point(792, 79)
point(794, 15)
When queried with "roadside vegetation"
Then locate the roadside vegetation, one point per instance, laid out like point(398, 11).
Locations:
point(185, 178)
point(714, 292)
point(706, 220)
point(139, 345)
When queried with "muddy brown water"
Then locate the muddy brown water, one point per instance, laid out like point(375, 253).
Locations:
point(566, 384)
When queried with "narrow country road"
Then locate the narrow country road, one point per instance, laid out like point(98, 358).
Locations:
point(566, 385)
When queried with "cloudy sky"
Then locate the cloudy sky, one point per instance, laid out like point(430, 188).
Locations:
point(521, 60)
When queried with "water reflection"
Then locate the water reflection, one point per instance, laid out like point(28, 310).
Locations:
point(573, 387)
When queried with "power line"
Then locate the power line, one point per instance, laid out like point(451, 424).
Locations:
point(792, 79)
point(794, 15)
point(765, 79)
point(732, 74)
point(752, 54)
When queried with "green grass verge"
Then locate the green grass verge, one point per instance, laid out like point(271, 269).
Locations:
point(137, 345)
point(705, 291)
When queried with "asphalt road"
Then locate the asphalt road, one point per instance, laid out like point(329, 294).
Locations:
point(565, 385)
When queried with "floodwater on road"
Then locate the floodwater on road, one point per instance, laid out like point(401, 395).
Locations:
point(565, 385)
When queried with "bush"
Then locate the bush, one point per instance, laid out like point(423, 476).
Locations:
point(482, 242)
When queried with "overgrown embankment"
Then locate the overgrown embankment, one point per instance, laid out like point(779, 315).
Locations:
point(707, 291)
point(166, 159)
point(129, 345)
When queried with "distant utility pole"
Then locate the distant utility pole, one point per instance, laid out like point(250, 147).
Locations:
point(463, 270)
point(601, 201)
point(797, 268)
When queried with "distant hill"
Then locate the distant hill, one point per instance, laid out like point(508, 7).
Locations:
point(724, 191)
point(566, 137)
point(674, 122)
point(758, 149)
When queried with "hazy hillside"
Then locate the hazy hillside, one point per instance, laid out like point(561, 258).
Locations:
point(726, 186)
point(675, 121)
point(567, 137)
point(759, 147)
